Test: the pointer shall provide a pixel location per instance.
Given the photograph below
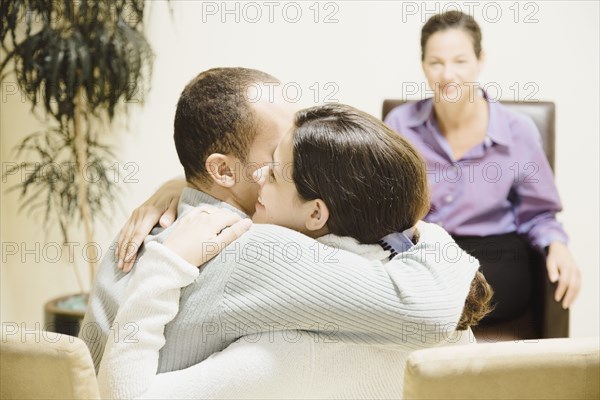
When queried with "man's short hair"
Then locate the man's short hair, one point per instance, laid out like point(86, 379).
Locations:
point(214, 116)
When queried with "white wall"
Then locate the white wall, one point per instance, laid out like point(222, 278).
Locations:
point(369, 54)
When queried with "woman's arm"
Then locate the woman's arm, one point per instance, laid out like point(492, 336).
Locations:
point(130, 361)
point(537, 199)
point(562, 269)
point(535, 211)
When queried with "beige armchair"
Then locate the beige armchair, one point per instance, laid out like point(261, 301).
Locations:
point(535, 369)
point(45, 365)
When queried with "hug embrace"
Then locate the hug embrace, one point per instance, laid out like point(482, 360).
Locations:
point(220, 327)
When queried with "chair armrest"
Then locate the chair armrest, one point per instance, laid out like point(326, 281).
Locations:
point(540, 369)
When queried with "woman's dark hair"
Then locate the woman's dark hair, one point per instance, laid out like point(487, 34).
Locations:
point(451, 20)
point(371, 179)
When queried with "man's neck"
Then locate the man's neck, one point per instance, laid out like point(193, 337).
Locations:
point(218, 192)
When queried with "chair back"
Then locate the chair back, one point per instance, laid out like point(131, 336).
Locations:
point(45, 365)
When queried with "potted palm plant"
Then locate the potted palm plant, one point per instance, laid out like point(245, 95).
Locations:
point(81, 63)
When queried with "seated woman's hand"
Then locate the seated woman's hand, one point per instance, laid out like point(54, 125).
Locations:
point(204, 232)
point(562, 268)
point(160, 208)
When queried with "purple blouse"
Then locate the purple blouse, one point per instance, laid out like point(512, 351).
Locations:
point(501, 185)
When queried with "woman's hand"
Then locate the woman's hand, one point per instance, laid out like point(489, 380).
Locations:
point(204, 232)
point(562, 268)
point(161, 207)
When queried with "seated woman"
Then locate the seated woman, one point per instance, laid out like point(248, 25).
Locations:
point(492, 187)
point(339, 176)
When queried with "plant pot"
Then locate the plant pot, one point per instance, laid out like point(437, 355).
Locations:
point(64, 314)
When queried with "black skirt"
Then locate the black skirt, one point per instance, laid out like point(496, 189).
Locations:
point(509, 264)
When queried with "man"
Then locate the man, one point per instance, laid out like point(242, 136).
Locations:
point(222, 138)
point(226, 127)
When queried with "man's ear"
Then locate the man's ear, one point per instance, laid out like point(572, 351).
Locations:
point(221, 169)
point(319, 215)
